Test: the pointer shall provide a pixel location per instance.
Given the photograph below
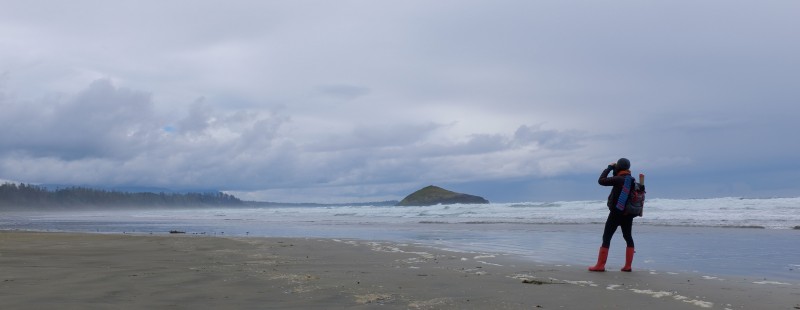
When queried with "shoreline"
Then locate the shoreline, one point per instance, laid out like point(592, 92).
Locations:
point(123, 271)
point(769, 254)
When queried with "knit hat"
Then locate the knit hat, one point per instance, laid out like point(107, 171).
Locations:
point(623, 164)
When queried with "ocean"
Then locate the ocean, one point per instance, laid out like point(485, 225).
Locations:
point(720, 236)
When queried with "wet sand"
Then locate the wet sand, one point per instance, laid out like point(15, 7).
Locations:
point(95, 271)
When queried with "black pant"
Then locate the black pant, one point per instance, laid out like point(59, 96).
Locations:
point(616, 219)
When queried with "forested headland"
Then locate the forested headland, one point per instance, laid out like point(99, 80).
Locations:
point(32, 197)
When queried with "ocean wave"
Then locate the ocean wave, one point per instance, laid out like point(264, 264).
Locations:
point(704, 225)
point(536, 205)
point(770, 213)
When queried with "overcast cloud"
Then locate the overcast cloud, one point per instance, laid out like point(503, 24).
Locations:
point(335, 101)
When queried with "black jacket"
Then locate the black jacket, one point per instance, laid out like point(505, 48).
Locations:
point(617, 181)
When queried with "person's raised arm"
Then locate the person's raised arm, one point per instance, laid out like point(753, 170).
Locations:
point(604, 179)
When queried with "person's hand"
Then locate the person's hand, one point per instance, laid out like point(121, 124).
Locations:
point(614, 164)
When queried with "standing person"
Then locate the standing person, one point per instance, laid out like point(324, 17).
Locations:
point(616, 215)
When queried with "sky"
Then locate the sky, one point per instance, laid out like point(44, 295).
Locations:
point(357, 101)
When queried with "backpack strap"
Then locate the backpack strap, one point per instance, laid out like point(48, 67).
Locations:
point(623, 195)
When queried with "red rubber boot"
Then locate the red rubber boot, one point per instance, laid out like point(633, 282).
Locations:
point(628, 259)
point(601, 260)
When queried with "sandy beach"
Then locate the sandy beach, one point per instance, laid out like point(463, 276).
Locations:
point(118, 271)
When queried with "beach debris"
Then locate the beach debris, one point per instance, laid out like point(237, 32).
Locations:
point(373, 298)
point(176, 232)
point(531, 279)
point(537, 282)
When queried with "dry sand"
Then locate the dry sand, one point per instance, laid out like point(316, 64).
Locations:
point(94, 271)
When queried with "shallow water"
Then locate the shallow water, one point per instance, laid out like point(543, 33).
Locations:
point(752, 252)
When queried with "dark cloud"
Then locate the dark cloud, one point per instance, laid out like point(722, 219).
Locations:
point(119, 128)
point(548, 138)
point(101, 121)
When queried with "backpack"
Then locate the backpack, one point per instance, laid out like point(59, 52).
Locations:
point(631, 199)
point(635, 203)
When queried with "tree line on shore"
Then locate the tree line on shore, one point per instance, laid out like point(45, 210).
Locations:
point(27, 196)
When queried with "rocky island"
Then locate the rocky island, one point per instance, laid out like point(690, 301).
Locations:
point(433, 195)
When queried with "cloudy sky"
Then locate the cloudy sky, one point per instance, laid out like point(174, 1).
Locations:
point(344, 101)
